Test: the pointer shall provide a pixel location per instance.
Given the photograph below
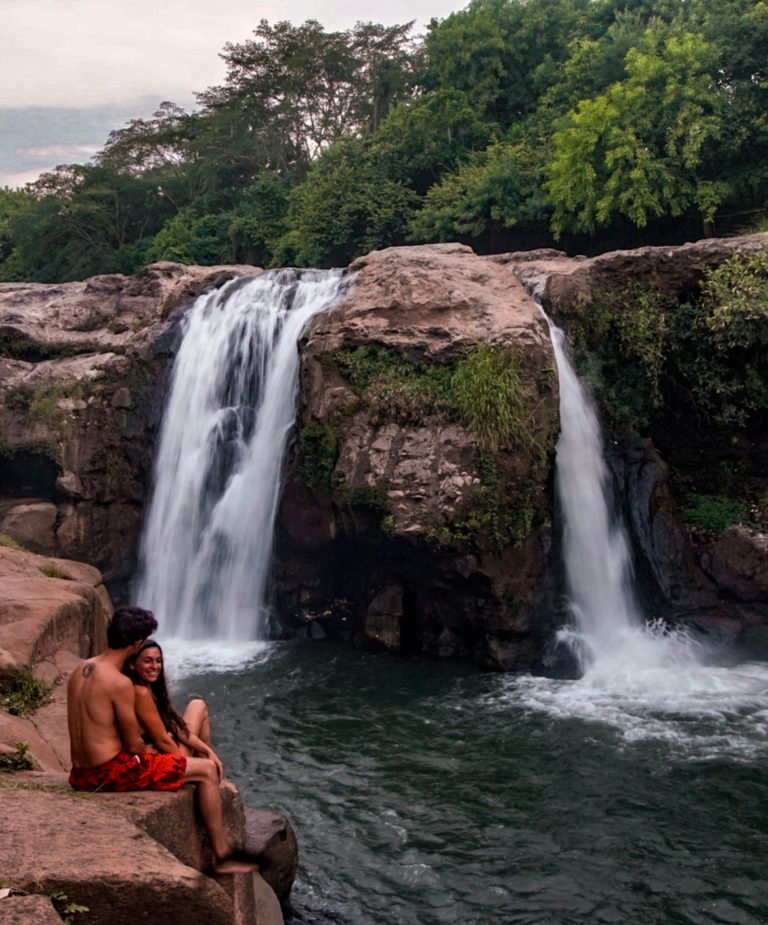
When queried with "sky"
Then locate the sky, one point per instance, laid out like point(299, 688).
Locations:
point(72, 70)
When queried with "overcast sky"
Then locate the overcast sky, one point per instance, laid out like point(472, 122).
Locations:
point(71, 70)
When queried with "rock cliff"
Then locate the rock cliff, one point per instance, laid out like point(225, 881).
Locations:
point(416, 514)
point(417, 507)
point(82, 373)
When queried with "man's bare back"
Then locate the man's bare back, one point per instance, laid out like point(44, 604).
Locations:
point(100, 712)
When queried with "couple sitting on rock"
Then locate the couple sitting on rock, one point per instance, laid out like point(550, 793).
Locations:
point(117, 702)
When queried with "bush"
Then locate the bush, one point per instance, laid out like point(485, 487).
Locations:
point(713, 513)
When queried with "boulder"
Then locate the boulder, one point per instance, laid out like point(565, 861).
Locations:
point(739, 563)
point(270, 839)
point(411, 497)
point(56, 842)
point(32, 526)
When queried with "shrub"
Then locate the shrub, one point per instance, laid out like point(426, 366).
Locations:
point(713, 513)
point(319, 449)
point(19, 760)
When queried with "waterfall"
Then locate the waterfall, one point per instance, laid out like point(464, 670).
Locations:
point(611, 635)
point(207, 544)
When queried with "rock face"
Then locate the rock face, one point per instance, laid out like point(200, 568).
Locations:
point(405, 524)
point(401, 526)
point(565, 284)
point(82, 371)
point(739, 564)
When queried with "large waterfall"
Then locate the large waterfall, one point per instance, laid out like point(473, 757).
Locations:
point(208, 541)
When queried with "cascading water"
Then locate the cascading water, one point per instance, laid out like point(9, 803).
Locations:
point(645, 678)
point(611, 633)
point(208, 540)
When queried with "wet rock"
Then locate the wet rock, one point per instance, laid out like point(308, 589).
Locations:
point(270, 839)
point(739, 563)
point(382, 622)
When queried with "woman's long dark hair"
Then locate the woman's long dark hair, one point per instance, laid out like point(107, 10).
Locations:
point(171, 719)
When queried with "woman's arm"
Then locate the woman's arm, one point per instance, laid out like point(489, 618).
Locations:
point(199, 747)
point(149, 717)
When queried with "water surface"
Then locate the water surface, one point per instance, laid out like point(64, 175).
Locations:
point(429, 793)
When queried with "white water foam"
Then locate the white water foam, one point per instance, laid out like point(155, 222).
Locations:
point(207, 545)
point(645, 679)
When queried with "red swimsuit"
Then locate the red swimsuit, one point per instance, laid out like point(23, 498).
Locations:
point(132, 772)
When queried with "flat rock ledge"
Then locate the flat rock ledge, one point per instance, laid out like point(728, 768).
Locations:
point(127, 857)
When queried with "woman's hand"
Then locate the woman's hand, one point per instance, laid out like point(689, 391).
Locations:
point(217, 761)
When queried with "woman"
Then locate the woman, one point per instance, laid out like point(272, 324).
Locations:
point(164, 729)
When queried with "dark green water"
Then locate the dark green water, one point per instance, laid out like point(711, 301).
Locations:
point(432, 793)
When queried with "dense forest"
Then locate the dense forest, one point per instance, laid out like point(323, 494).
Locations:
point(510, 124)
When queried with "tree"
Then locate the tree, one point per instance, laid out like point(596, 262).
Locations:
point(640, 149)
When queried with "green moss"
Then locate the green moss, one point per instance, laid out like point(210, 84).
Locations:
point(319, 450)
point(23, 693)
point(482, 389)
point(9, 542)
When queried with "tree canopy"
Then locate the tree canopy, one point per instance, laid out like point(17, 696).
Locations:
point(588, 121)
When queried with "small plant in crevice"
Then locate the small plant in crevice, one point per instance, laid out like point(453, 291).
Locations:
point(18, 760)
point(319, 450)
point(51, 570)
point(67, 908)
point(9, 542)
point(23, 693)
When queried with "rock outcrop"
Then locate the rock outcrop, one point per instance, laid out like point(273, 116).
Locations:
point(82, 371)
point(122, 856)
point(403, 524)
point(564, 285)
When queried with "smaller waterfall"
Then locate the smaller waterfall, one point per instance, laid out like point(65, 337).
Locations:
point(207, 544)
point(612, 637)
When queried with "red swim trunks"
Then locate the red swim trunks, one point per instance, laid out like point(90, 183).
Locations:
point(131, 772)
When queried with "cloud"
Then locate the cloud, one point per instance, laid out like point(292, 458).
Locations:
point(90, 52)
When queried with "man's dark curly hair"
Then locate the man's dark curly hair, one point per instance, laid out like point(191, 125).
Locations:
point(129, 625)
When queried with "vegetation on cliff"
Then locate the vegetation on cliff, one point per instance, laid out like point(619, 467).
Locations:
point(508, 122)
point(693, 373)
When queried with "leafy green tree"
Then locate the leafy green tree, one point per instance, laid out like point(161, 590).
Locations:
point(640, 149)
point(86, 220)
point(498, 188)
point(13, 204)
point(503, 53)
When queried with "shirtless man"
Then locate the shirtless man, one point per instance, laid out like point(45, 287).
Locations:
point(108, 752)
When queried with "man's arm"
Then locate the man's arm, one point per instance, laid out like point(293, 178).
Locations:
point(125, 714)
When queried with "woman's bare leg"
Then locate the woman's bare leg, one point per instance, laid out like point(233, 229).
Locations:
point(197, 719)
point(203, 772)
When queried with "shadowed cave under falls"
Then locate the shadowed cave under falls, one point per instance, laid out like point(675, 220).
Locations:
point(427, 792)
